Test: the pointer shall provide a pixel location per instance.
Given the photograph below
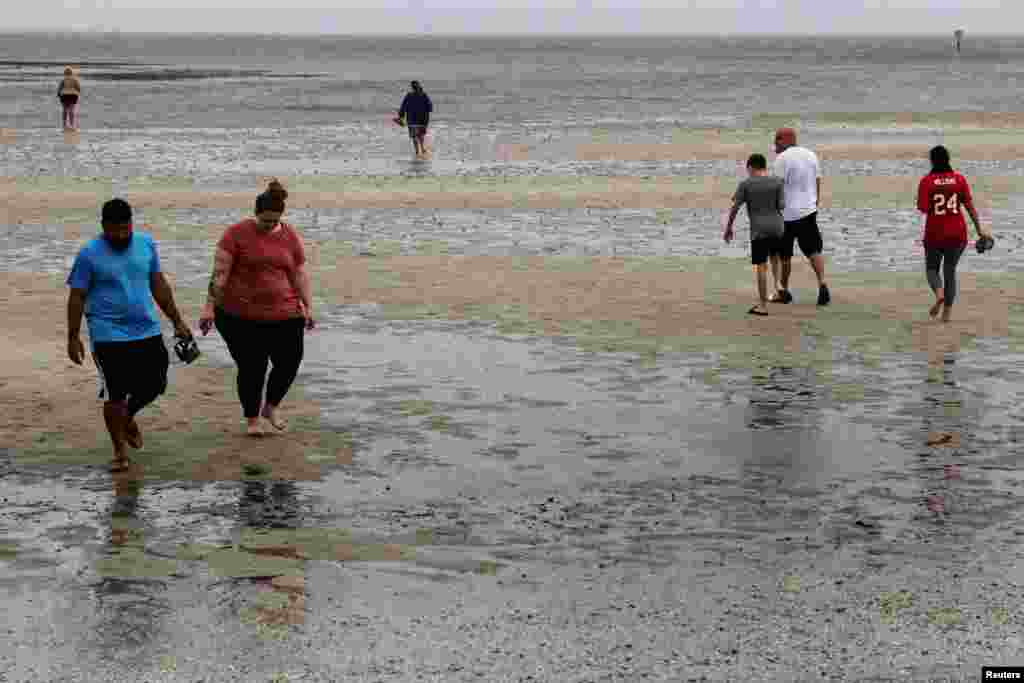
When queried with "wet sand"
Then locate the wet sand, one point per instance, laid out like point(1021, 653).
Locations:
point(50, 404)
point(23, 202)
point(504, 466)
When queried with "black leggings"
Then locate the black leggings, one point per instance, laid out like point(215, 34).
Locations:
point(947, 258)
point(254, 343)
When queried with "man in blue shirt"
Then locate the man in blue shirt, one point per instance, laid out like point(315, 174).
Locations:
point(415, 111)
point(115, 279)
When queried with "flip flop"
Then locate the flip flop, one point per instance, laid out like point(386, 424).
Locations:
point(756, 310)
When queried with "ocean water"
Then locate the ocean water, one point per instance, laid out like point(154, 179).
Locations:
point(629, 84)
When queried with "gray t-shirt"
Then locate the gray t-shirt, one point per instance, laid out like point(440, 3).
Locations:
point(764, 200)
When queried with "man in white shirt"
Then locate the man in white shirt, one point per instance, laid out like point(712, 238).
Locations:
point(798, 167)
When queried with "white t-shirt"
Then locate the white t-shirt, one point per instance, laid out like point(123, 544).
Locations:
point(798, 168)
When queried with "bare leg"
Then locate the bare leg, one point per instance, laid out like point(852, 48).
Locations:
point(115, 415)
point(933, 261)
point(947, 312)
point(787, 269)
point(776, 278)
point(761, 276)
point(818, 264)
point(132, 434)
point(270, 413)
point(939, 299)
point(253, 426)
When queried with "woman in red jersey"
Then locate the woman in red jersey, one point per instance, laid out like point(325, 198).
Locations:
point(944, 195)
point(259, 298)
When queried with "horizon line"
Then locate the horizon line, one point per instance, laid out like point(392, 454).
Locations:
point(499, 34)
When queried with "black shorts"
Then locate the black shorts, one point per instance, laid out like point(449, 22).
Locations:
point(417, 131)
point(763, 247)
point(68, 100)
point(805, 232)
point(131, 368)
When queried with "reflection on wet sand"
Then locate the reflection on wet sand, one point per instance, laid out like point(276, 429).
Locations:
point(280, 601)
point(269, 504)
point(783, 440)
point(130, 606)
point(946, 427)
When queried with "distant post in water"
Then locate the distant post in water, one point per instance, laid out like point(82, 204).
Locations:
point(958, 36)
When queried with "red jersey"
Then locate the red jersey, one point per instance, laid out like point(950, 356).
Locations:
point(944, 197)
point(260, 284)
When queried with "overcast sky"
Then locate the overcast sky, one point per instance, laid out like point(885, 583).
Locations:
point(522, 16)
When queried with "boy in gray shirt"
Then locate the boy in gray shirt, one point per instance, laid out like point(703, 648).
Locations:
point(763, 196)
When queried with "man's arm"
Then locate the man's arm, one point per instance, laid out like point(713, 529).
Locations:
point(76, 307)
point(732, 217)
point(737, 201)
point(161, 290)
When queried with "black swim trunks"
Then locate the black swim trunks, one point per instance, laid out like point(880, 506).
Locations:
point(132, 368)
point(763, 247)
point(805, 232)
point(68, 100)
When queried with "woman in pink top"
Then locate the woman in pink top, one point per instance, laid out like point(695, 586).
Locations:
point(259, 299)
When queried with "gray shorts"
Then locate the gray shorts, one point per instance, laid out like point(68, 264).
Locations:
point(417, 131)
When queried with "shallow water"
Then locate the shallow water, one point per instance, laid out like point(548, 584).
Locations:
point(855, 240)
point(562, 513)
point(233, 158)
point(573, 473)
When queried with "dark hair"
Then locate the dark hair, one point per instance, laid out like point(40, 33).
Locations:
point(416, 86)
point(273, 198)
point(939, 156)
point(116, 212)
point(757, 161)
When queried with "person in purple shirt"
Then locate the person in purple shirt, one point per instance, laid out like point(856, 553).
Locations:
point(114, 281)
point(415, 111)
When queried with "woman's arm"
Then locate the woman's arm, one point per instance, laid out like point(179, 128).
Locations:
point(300, 281)
point(299, 277)
point(969, 205)
point(967, 202)
point(222, 263)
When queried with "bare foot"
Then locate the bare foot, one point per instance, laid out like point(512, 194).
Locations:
point(132, 434)
point(934, 310)
point(270, 415)
point(254, 429)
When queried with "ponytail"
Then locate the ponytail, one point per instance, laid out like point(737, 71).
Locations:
point(273, 198)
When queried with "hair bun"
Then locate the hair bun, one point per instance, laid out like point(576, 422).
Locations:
point(276, 189)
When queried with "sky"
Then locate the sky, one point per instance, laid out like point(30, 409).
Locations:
point(522, 16)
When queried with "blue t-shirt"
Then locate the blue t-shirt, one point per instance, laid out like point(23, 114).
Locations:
point(119, 306)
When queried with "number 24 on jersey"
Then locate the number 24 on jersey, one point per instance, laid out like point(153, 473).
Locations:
point(944, 204)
